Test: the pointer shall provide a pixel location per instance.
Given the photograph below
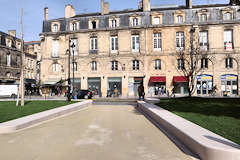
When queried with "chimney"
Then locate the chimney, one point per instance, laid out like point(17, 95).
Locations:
point(70, 11)
point(189, 4)
point(45, 13)
point(104, 7)
point(146, 5)
point(12, 33)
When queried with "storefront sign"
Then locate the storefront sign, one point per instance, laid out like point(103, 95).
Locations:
point(229, 46)
point(229, 77)
point(204, 78)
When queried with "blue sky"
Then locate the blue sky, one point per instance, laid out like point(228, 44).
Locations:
point(33, 11)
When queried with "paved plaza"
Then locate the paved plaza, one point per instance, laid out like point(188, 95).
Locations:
point(101, 132)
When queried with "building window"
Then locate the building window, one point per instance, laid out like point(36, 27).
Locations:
point(156, 20)
point(74, 47)
point(135, 22)
point(93, 43)
point(94, 66)
point(203, 18)
point(135, 65)
point(135, 43)
point(204, 63)
point(114, 44)
point(55, 28)
point(203, 40)
point(18, 60)
point(157, 64)
point(55, 49)
point(9, 58)
point(227, 16)
point(180, 42)
point(179, 19)
point(55, 67)
point(228, 40)
point(74, 66)
point(114, 65)
point(94, 24)
point(229, 62)
point(157, 41)
point(74, 26)
point(181, 64)
point(114, 23)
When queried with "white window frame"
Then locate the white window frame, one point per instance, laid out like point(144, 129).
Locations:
point(180, 41)
point(136, 65)
point(114, 65)
point(74, 26)
point(204, 63)
point(114, 23)
point(94, 65)
point(203, 17)
point(228, 39)
point(229, 62)
point(55, 48)
point(179, 19)
point(203, 40)
point(55, 67)
point(55, 28)
point(93, 43)
point(227, 16)
point(135, 43)
point(157, 64)
point(135, 21)
point(157, 41)
point(156, 20)
point(9, 59)
point(114, 44)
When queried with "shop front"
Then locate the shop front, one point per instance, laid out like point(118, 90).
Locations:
point(180, 84)
point(114, 87)
point(77, 84)
point(94, 85)
point(157, 85)
point(133, 84)
point(204, 84)
point(229, 85)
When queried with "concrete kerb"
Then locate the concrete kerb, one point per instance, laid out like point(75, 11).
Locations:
point(206, 144)
point(25, 122)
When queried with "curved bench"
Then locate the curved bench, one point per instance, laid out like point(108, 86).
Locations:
point(208, 145)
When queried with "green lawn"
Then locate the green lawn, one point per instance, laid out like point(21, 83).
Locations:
point(9, 111)
point(221, 116)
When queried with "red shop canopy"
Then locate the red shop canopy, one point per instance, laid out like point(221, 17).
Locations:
point(180, 79)
point(158, 79)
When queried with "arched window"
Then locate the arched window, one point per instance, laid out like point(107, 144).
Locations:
point(94, 24)
point(114, 65)
point(74, 26)
point(227, 16)
point(94, 65)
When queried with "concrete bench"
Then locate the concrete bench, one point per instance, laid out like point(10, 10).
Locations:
point(24, 122)
point(208, 145)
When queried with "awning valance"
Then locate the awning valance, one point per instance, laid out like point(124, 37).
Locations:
point(51, 81)
point(157, 79)
point(177, 79)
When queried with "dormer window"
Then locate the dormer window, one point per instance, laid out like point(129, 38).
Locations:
point(227, 16)
point(135, 22)
point(203, 18)
point(74, 26)
point(179, 19)
point(156, 20)
point(114, 23)
point(55, 28)
point(94, 24)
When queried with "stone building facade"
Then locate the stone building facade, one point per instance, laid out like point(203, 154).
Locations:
point(114, 52)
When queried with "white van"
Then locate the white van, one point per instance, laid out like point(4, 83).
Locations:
point(9, 90)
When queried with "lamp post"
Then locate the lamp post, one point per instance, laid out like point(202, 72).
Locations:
point(73, 65)
point(192, 31)
point(69, 80)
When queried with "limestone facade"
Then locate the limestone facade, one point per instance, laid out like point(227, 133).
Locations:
point(115, 51)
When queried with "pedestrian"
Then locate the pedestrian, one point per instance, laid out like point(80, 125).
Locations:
point(141, 92)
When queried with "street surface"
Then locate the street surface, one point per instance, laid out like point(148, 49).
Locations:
point(101, 132)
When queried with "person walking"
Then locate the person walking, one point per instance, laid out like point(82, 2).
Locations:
point(141, 92)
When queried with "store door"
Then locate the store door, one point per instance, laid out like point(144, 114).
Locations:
point(94, 84)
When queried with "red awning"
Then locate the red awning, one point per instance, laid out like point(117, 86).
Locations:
point(180, 79)
point(157, 79)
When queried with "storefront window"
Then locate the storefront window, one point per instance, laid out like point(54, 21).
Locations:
point(229, 85)
point(94, 85)
point(114, 87)
point(204, 84)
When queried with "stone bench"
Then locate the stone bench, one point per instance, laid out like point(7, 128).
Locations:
point(206, 144)
point(27, 121)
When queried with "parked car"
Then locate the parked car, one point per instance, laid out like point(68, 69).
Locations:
point(8, 90)
point(84, 94)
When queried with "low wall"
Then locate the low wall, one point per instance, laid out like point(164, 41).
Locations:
point(24, 122)
point(208, 145)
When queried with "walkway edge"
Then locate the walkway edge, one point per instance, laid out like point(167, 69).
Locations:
point(208, 145)
point(27, 121)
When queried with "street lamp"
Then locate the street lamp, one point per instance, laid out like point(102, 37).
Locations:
point(73, 65)
point(69, 80)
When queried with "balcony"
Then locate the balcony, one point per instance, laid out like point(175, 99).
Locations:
point(93, 51)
